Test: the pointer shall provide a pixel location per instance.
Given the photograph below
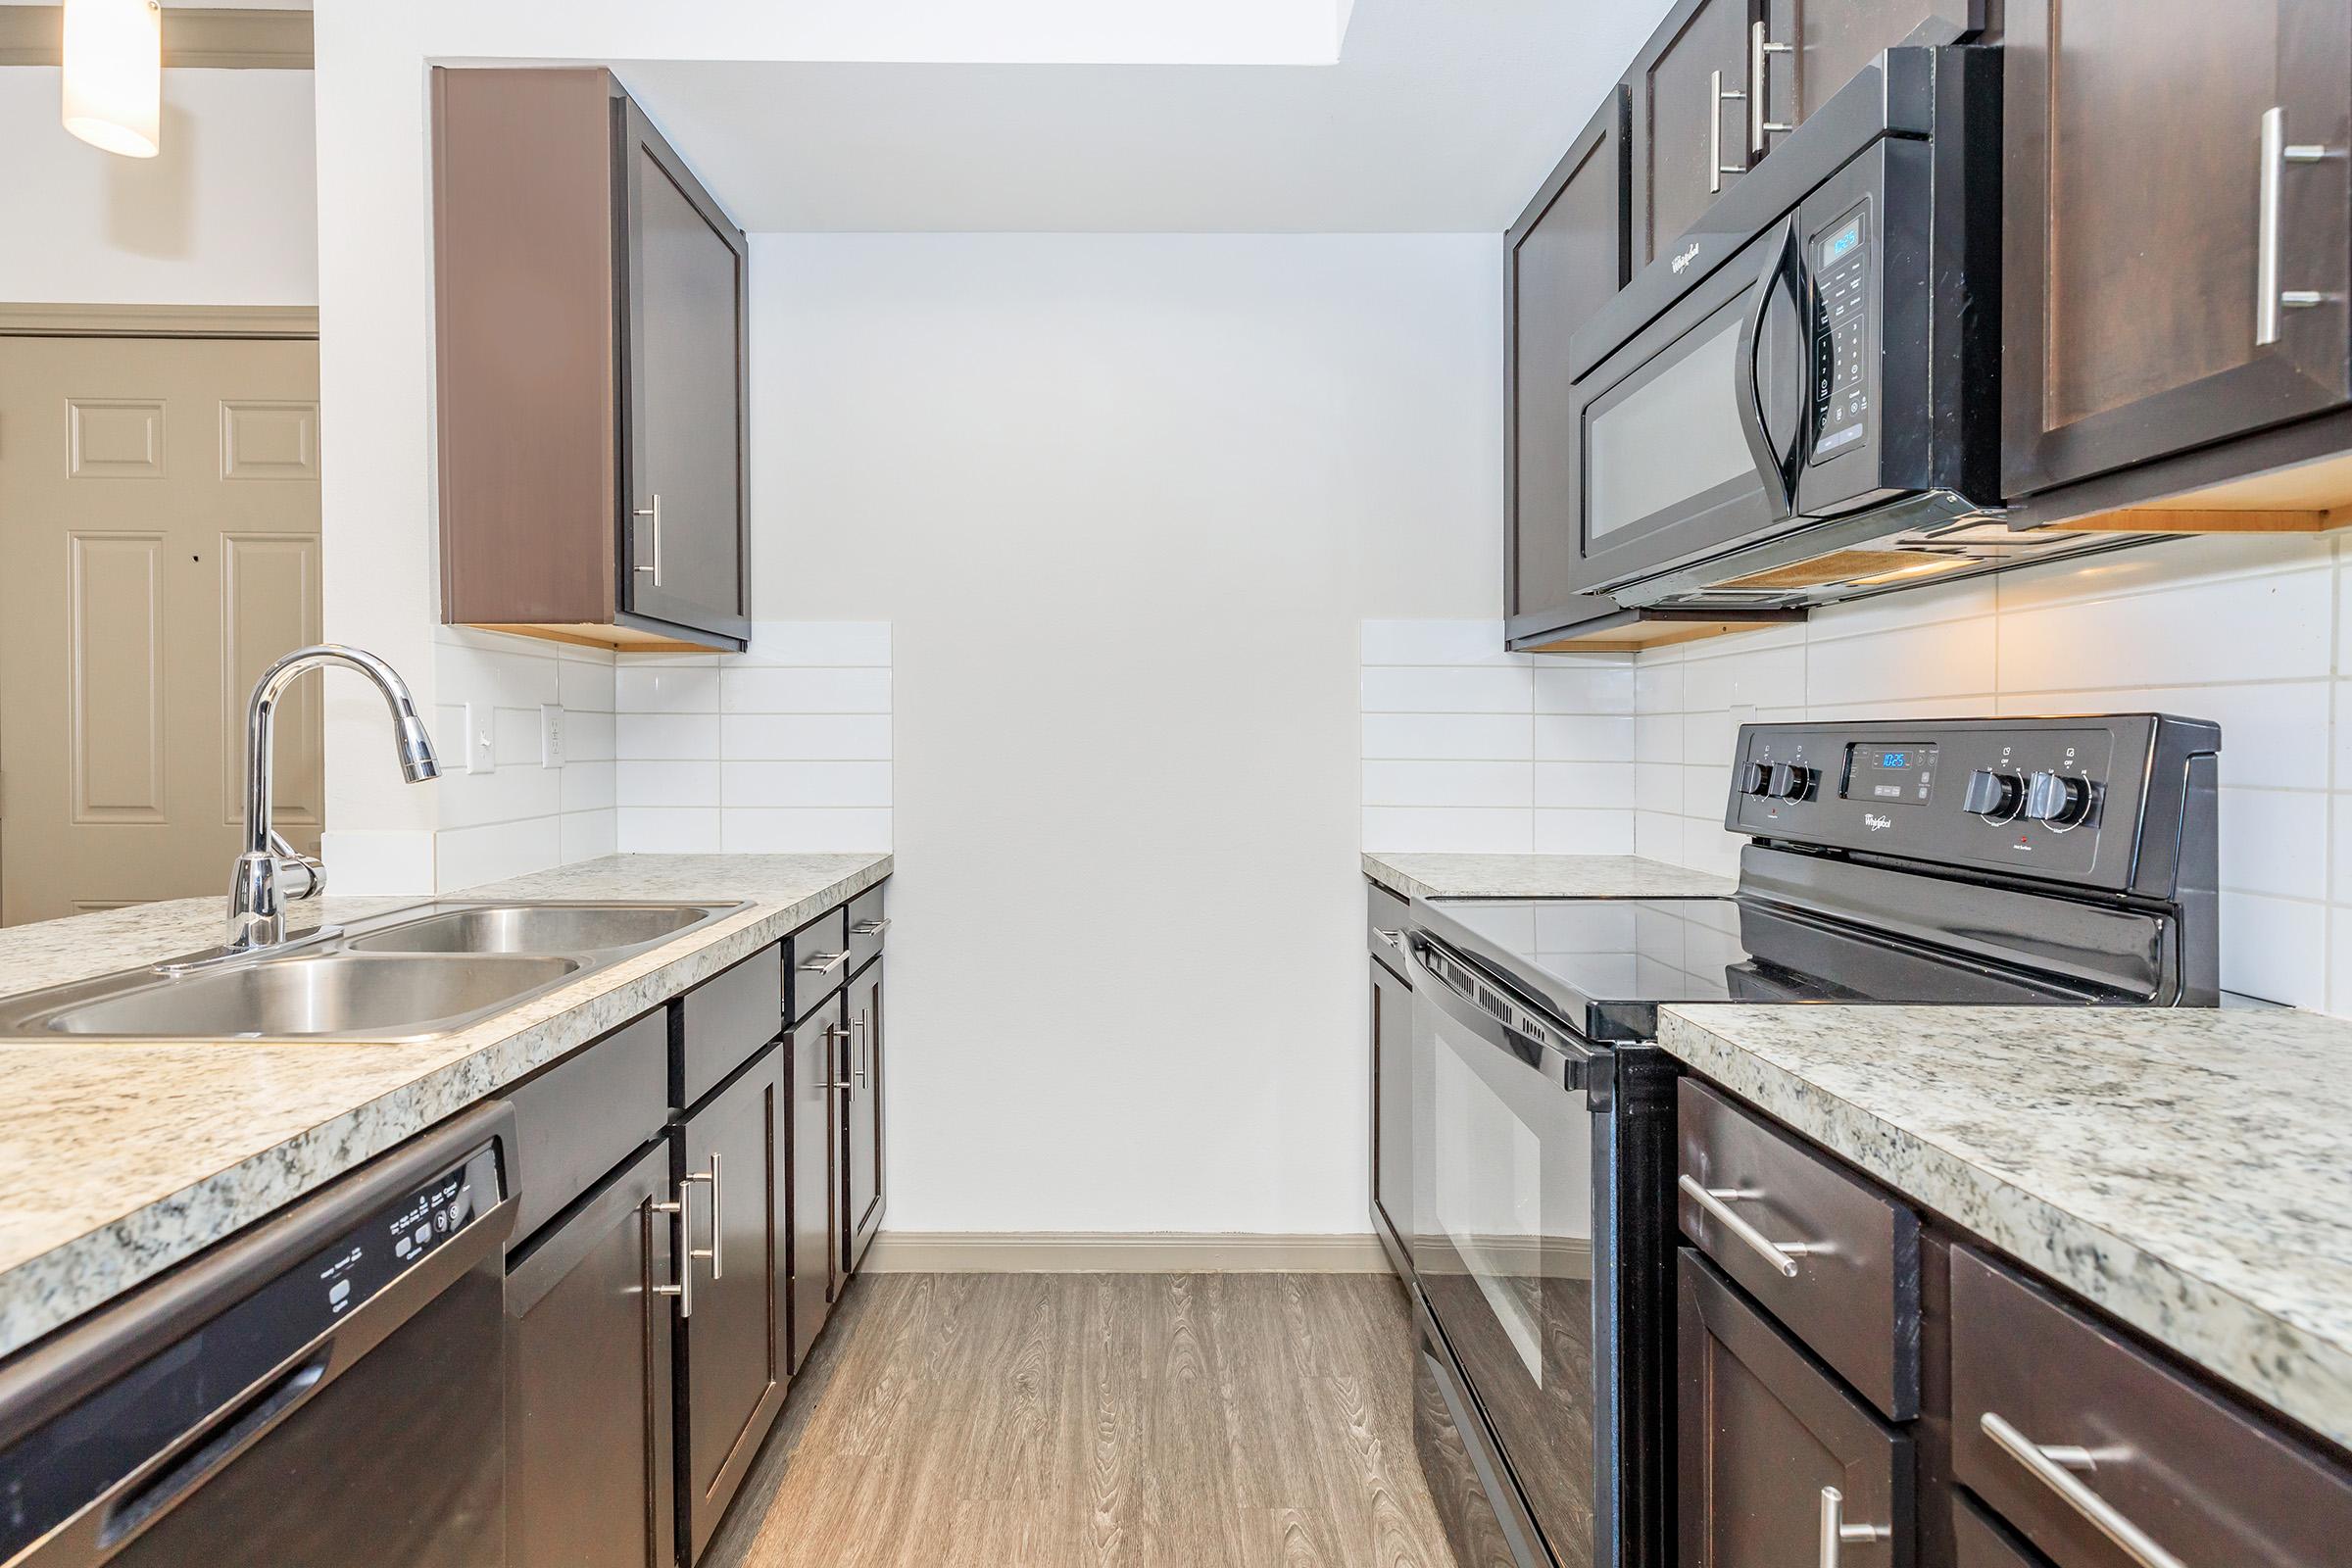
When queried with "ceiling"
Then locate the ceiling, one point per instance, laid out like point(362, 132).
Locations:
point(1439, 115)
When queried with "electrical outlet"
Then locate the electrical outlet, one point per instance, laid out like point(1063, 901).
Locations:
point(551, 735)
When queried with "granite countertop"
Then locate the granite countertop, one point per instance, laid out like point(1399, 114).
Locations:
point(119, 1161)
point(2187, 1170)
point(1539, 877)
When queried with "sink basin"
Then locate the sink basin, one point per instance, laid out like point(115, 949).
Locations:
point(558, 928)
point(338, 996)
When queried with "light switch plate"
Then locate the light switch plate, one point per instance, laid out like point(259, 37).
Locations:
point(551, 735)
point(479, 758)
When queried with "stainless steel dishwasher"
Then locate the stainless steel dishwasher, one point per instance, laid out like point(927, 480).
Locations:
point(323, 1391)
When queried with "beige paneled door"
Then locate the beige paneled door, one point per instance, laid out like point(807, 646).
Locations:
point(159, 527)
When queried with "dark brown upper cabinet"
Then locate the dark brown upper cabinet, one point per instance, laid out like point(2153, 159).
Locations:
point(1690, 135)
point(1808, 49)
point(591, 297)
point(2176, 201)
point(1562, 261)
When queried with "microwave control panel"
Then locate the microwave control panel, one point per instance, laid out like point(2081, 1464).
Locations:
point(1840, 262)
point(2062, 799)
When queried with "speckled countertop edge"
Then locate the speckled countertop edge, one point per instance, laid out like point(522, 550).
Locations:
point(2230, 1250)
point(1539, 876)
point(125, 1159)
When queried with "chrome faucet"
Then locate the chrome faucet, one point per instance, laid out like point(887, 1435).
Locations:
point(256, 899)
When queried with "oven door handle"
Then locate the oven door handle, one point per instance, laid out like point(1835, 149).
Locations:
point(1778, 458)
point(1574, 1062)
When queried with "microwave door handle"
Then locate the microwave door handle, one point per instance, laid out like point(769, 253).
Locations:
point(1784, 271)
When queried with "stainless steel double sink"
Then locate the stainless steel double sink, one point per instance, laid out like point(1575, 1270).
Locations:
point(408, 974)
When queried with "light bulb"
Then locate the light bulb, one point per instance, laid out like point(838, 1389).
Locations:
point(114, 59)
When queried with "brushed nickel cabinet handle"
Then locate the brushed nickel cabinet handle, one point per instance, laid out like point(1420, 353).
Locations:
point(2053, 1464)
point(683, 1290)
point(2270, 199)
point(1836, 1535)
point(1717, 97)
point(829, 1083)
point(718, 1252)
point(863, 1040)
point(1395, 939)
point(1761, 49)
point(1718, 1201)
point(654, 511)
point(824, 962)
point(870, 928)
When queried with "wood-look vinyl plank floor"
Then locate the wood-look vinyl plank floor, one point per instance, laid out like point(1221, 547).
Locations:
point(1096, 1421)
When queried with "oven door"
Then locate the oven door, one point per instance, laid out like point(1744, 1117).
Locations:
point(1689, 438)
point(1514, 1171)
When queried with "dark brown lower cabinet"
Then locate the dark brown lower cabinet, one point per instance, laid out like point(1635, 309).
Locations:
point(1777, 1460)
point(589, 1480)
point(863, 1181)
point(1978, 1542)
point(818, 1076)
point(729, 1188)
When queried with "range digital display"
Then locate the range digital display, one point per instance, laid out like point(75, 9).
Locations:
point(1890, 775)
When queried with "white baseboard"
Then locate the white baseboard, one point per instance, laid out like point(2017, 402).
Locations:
point(1123, 1253)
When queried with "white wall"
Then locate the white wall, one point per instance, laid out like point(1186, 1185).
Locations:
point(2253, 634)
point(225, 214)
point(1125, 501)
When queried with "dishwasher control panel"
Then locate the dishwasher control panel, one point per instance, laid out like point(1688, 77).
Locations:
point(259, 1356)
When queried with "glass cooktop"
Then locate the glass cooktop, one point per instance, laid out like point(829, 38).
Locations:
point(1606, 965)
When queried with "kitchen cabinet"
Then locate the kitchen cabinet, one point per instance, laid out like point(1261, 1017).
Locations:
point(863, 1185)
point(1829, 43)
point(1777, 1462)
point(592, 304)
point(727, 1169)
point(817, 1075)
point(1688, 133)
point(590, 1476)
point(1392, 1077)
point(2176, 207)
point(1562, 261)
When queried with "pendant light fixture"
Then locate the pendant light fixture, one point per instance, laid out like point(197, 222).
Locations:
point(114, 60)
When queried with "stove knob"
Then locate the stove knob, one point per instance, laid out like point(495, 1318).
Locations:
point(1792, 782)
point(1994, 796)
point(1757, 780)
point(2059, 799)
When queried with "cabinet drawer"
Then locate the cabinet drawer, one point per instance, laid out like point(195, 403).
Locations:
point(2202, 1480)
point(1855, 1300)
point(1774, 1455)
point(867, 923)
point(728, 1017)
point(584, 1115)
point(1387, 913)
point(817, 960)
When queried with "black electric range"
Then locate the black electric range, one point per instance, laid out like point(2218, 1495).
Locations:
point(2040, 861)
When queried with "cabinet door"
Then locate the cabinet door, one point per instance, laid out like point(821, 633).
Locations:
point(589, 1476)
point(1393, 1114)
point(862, 1179)
point(1814, 47)
point(1776, 1457)
point(1685, 134)
point(817, 1078)
point(729, 1179)
point(683, 402)
point(1562, 261)
point(2149, 286)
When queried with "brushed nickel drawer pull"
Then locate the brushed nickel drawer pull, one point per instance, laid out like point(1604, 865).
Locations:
point(824, 962)
point(870, 928)
point(683, 1290)
point(1718, 1201)
point(2053, 1464)
point(1836, 1535)
point(1395, 939)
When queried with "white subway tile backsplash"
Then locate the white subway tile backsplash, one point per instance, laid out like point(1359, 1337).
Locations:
point(1939, 660)
point(1507, 689)
point(1439, 783)
point(1586, 786)
point(2275, 841)
point(586, 835)
point(669, 830)
point(587, 786)
point(666, 689)
point(1585, 687)
point(780, 737)
point(1437, 642)
point(678, 783)
point(1605, 832)
point(843, 643)
point(1489, 737)
point(754, 689)
point(665, 737)
point(758, 830)
point(2264, 627)
point(1467, 830)
point(584, 685)
point(1584, 737)
point(805, 784)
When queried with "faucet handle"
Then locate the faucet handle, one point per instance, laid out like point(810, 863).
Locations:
point(312, 872)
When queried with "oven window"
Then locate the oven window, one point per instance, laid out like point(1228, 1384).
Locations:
point(1676, 436)
point(1489, 1200)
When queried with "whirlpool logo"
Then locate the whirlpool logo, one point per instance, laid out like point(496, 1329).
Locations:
point(1875, 822)
point(1685, 259)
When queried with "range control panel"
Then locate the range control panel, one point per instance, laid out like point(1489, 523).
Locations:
point(2054, 799)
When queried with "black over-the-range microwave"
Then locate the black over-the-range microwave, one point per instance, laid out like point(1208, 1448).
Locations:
point(1800, 401)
